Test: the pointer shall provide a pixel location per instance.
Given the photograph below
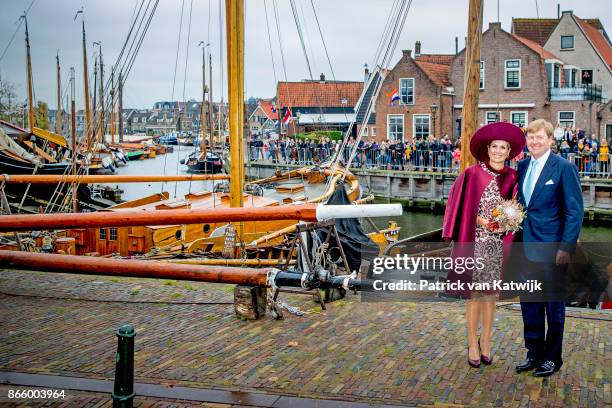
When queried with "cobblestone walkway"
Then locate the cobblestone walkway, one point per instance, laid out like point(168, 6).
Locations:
point(187, 334)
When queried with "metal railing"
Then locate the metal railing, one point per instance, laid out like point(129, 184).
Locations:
point(407, 160)
point(587, 92)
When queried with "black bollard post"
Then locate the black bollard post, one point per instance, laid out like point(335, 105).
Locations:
point(123, 391)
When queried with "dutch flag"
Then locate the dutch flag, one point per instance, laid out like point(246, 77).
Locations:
point(393, 96)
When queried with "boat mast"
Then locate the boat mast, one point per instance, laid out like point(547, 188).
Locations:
point(210, 105)
point(234, 12)
point(29, 66)
point(469, 120)
point(101, 122)
point(58, 124)
point(120, 114)
point(112, 109)
point(86, 79)
point(73, 144)
point(95, 87)
point(203, 146)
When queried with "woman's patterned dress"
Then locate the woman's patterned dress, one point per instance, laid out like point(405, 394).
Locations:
point(488, 244)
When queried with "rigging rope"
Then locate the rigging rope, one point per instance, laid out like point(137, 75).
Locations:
point(20, 21)
point(402, 14)
point(185, 106)
point(270, 42)
point(178, 47)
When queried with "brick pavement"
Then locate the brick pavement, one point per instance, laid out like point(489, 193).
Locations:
point(402, 353)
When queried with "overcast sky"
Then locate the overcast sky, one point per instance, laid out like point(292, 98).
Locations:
point(351, 30)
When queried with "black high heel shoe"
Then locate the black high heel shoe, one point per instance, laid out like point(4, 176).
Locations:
point(484, 359)
point(472, 363)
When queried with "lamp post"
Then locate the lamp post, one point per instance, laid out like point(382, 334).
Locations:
point(434, 109)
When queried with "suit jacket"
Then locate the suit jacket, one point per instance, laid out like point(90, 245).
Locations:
point(555, 211)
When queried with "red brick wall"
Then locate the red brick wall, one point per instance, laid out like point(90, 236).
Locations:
point(496, 47)
point(605, 113)
point(425, 93)
point(581, 114)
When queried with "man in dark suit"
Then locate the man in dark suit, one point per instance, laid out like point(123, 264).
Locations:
point(550, 190)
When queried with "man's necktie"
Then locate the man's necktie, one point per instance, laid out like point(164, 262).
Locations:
point(530, 180)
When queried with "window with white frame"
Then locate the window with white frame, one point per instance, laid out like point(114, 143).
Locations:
point(420, 126)
point(513, 74)
point(492, 117)
point(566, 118)
point(519, 119)
point(556, 75)
point(567, 42)
point(482, 75)
point(395, 127)
point(406, 91)
point(373, 130)
point(364, 131)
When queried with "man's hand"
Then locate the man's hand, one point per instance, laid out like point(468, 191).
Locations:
point(563, 257)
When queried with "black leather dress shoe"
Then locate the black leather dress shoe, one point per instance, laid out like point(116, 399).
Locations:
point(547, 369)
point(527, 365)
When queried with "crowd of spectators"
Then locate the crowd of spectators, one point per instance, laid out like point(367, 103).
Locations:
point(430, 153)
point(588, 152)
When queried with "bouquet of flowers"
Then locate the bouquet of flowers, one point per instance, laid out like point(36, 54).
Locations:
point(507, 216)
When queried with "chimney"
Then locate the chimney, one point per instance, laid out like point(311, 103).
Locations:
point(558, 11)
point(366, 73)
point(322, 77)
point(456, 45)
point(417, 48)
point(406, 54)
point(495, 25)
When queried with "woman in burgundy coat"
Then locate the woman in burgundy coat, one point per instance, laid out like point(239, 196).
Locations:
point(468, 222)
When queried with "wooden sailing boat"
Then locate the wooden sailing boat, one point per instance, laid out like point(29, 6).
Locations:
point(29, 152)
point(204, 160)
point(256, 239)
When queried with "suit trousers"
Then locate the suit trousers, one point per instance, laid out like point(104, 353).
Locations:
point(545, 308)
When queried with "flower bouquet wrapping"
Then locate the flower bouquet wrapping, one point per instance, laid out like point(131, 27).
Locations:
point(507, 216)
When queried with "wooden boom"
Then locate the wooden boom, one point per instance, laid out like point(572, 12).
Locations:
point(69, 178)
point(305, 212)
point(89, 265)
point(28, 222)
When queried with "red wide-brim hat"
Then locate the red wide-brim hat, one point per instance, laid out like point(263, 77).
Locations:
point(497, 131)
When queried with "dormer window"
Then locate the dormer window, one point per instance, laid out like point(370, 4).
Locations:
point(567, 42)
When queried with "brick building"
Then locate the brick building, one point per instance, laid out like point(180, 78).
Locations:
point(520, 81)
point(318, 105)
point(408, 93)
point(582, 44)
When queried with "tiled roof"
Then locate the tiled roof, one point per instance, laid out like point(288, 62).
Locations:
point(438, 73)
point(597, 39)
point(316, 94)
point(266, 106)
point(444, 59)
point(536, 47)
point(538, 29)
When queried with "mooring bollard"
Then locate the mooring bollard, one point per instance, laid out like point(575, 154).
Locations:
point(123, 391)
